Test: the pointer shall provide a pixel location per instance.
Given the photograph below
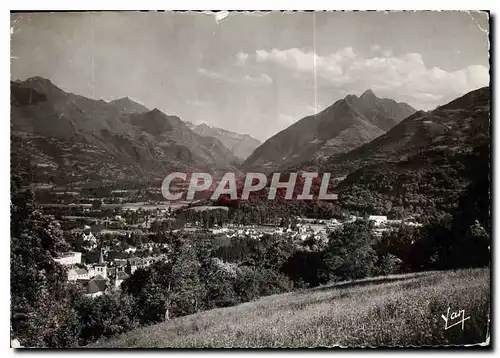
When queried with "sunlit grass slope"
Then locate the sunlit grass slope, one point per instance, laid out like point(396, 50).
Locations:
point(389, 311)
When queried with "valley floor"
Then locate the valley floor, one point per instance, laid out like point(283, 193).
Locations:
point(401, 310)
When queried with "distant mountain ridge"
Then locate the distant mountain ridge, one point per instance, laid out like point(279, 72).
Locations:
point(241, 145)
point(345, 125)
point(74, 133)
point(423, 165)
point(460, 124)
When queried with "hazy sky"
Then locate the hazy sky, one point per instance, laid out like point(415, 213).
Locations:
point(258, 73)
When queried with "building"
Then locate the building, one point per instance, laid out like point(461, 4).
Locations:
point(99, 268)
point(88, 237)
point(120, 264)
point(414, 224)
point(70, 258)
point(120, 277)
point(378, 232)
point(130, 250)
point(75, 274)
point(394, 222)
point(135, 263)
point(378, 220)
point(96, 286)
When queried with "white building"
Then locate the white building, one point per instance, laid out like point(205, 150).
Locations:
point(220, 230)
point(130, 250)
point(88, 237)
point(414, 224)
point(135, 263)
point(70, 258)
point(120, 277)
point(78, 274)
point(98, 269)
point(377, 220)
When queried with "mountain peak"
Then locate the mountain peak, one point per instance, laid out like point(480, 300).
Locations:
point(156, 111)
point(128, 105)
point(38, 79)
point(204, 125)
point(368, 94)
point(42, 85)
point(350, 97)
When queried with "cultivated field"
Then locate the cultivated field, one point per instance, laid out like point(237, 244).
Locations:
point(403, 310)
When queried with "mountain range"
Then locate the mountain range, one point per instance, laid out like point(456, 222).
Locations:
point(377, 143)
point(86, 138)
point(344, 126)
point(454, 127)
point(423, 165)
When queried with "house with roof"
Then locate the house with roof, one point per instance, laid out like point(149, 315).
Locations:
point(96, 286)
point(120, 277)
point(120, 264)
point(99, 268)
point(88, 237)
point(377, 220)
point(69, 258)
point(135, 263)
point(77, 273)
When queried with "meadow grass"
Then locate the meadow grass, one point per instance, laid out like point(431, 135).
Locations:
point(402, 310)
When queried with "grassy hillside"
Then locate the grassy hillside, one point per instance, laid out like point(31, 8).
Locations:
point(387, 311)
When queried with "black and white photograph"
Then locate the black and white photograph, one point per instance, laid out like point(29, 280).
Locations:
point(250, 179)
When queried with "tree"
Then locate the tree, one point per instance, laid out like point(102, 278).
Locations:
point(388, 264)
point(306, 267)
point(398, 243)
point(219, 278)
point(276, 251)
point(187, 289)
point(149, 289)
point(104, 316)
point(473, 248)
point(96, 204)
point(41, 314)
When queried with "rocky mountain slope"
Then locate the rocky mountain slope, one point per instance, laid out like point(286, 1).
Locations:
point(81, 137)
point(423, 165)
point(241, 145)
point(345, 125)
point(455, 127)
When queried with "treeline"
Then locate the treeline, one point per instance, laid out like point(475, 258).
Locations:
point(428, 184)
point(261, 213)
